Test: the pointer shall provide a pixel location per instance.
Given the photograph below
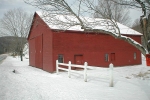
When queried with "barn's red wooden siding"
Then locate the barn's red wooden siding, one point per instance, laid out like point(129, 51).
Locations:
point(93, 47)
point(32, 52)
point(40, 50)
point(45, 45)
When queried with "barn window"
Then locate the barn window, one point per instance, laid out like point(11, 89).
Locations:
point(60, 58)
point(106, 57)
point(134, 55)
point(112, 56)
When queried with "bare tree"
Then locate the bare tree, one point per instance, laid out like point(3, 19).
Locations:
point(136, 25)
point(110, 10)
point(145, 22)
point(16, 23)
point(144, 5)
point(73, 16)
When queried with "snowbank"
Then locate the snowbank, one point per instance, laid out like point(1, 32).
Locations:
point(30, 83)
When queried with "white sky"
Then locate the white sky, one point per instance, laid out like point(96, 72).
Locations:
point(135, 14)
point(6, 5)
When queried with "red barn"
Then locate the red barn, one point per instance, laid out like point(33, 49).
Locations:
point(47, 44)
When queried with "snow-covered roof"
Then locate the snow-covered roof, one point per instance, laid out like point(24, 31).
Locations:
point(69, 22)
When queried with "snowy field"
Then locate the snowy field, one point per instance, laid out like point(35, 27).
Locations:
point(29, 83)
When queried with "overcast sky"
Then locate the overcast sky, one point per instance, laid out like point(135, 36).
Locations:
point(6, 5)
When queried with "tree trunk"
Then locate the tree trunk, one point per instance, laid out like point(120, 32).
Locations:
point(148, 33)
point(21, 54)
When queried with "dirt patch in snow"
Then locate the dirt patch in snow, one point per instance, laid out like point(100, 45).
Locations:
point(142, 75)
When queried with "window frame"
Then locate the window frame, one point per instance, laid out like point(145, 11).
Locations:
point(60, 58)
point(107, 57)
point(135, 56)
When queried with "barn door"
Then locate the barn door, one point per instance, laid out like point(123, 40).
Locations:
point(112, 56)
point(78, 59)
point(32, 52)
point(39, 52)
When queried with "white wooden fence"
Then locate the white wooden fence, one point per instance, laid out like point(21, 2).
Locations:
point(81, 66)
point(69, 68)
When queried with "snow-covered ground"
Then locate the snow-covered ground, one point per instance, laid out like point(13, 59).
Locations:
point(29, 83)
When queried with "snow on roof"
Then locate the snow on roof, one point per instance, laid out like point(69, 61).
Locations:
point(69, 22)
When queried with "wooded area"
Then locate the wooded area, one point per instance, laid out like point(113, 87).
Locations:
point(8, 44)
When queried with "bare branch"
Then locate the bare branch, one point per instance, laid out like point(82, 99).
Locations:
point(59, 13)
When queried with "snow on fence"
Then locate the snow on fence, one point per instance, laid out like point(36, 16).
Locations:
point(85, 70)
point(111, 66)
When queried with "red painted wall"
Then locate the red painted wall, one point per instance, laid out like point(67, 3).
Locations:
point(32, 52)
point(42, 47)
point(93, 47)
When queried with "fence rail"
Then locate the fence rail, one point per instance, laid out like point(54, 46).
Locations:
point(85, 66)
point(69, 68)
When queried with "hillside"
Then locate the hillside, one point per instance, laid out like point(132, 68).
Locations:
point(10, 43)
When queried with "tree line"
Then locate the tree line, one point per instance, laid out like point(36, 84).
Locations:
point(8, 44)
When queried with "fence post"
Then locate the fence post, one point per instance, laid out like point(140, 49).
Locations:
point(111, 75)
point(85, 71)
point(69, 68)
point(57, 70)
